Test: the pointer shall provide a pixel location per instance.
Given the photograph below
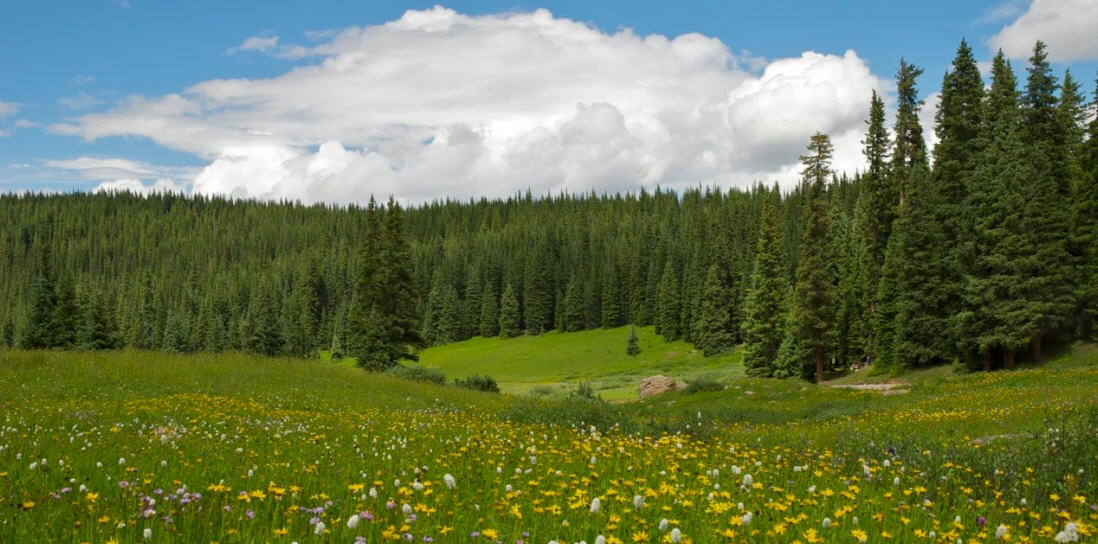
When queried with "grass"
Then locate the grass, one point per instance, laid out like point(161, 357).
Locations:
point(102, 447)
point(557, 362)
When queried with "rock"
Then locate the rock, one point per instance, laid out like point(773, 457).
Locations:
point(654, 385)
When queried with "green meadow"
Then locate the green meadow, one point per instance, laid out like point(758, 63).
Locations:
point(114, 447)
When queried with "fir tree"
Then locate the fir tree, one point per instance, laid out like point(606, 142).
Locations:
point(764, 320)
point(267, 331)
point(714, 334)
point(920, 334)
point(955, 155)
point(910, 148)
point(611, 302)
point(98, 330)
point(669, 303)
point(813, 297)
point(994, 317)
point(1046, 291)
point(301, 312)
point(38, 330)
point(65, 320)
point(1084, 227)
point(489, 311)
point(632, 348)
point(878, 205)
point(398, 306)
point(573, 307)
point(469, 320)
point(509, 314)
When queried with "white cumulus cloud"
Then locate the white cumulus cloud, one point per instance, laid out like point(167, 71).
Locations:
point(1067, 26)
point(438, 103)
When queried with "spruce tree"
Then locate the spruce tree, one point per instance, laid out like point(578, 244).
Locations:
point(632, 348)
point(300, 313)
point(573, 307)
point(921, 335)
point(814, 294)
point(910, 148)
point(469, 320)
point(764, 318)
point(509, 313)
point(489, 311)
point(1084, 228)
point(398, 305)
point(1046, 291)
point(98, 329)
point(38, 329)
point(878, 206)
point(65, 320)
point(994, 316)
point(668, 310)
point(611, 315)
point(714, 325)
point(955, 158)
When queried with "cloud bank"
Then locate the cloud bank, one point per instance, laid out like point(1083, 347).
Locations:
point(441, 104)
point(1067, 26)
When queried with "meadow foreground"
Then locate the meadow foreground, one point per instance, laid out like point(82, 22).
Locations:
point(136, 447)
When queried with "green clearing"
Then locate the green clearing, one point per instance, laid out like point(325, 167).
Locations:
point(556, 362)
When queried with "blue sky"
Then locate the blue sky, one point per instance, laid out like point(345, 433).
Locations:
point(94, 92)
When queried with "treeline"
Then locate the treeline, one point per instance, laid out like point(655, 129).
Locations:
point(989, 251)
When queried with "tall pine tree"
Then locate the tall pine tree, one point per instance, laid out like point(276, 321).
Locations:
point(814, 294)
point(764, 316)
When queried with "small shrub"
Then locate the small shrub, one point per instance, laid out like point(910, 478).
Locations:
point(584, 391)
point(541, 391)
point(419, 374)
point(703, 383)
point(476, 382)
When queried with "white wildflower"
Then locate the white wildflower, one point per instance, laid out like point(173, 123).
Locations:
point(373, 492)
point(826, 523)
point(596, 504)
point(746, 519)
point(450, 482)
point(352, 521)
point(663, 524)
point(319, 529)
point(638, 501)
point(748, 480)
point(676, 535)
point(147, 533)
point(1000, 532)
point(407, 509)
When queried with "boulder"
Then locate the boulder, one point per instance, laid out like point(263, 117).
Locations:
point(654, 385)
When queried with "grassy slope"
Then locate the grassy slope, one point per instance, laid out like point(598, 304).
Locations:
point(560, 360)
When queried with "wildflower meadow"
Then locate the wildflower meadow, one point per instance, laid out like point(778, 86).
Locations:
point(136, 447)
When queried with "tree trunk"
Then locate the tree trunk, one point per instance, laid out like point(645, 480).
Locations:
point(1008, 358)
point(987, 359)
point(817, 354)
point(1035, 346)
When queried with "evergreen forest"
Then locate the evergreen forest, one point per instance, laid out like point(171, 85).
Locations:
point(982, 251)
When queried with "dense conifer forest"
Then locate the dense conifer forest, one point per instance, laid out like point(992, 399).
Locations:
point(983, 250)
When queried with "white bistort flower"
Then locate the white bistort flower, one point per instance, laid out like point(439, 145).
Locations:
point(319, 529)
point(449, 480)
point(596, 505)
point(352, 521)
point(1000, 532)
point(676, 535)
